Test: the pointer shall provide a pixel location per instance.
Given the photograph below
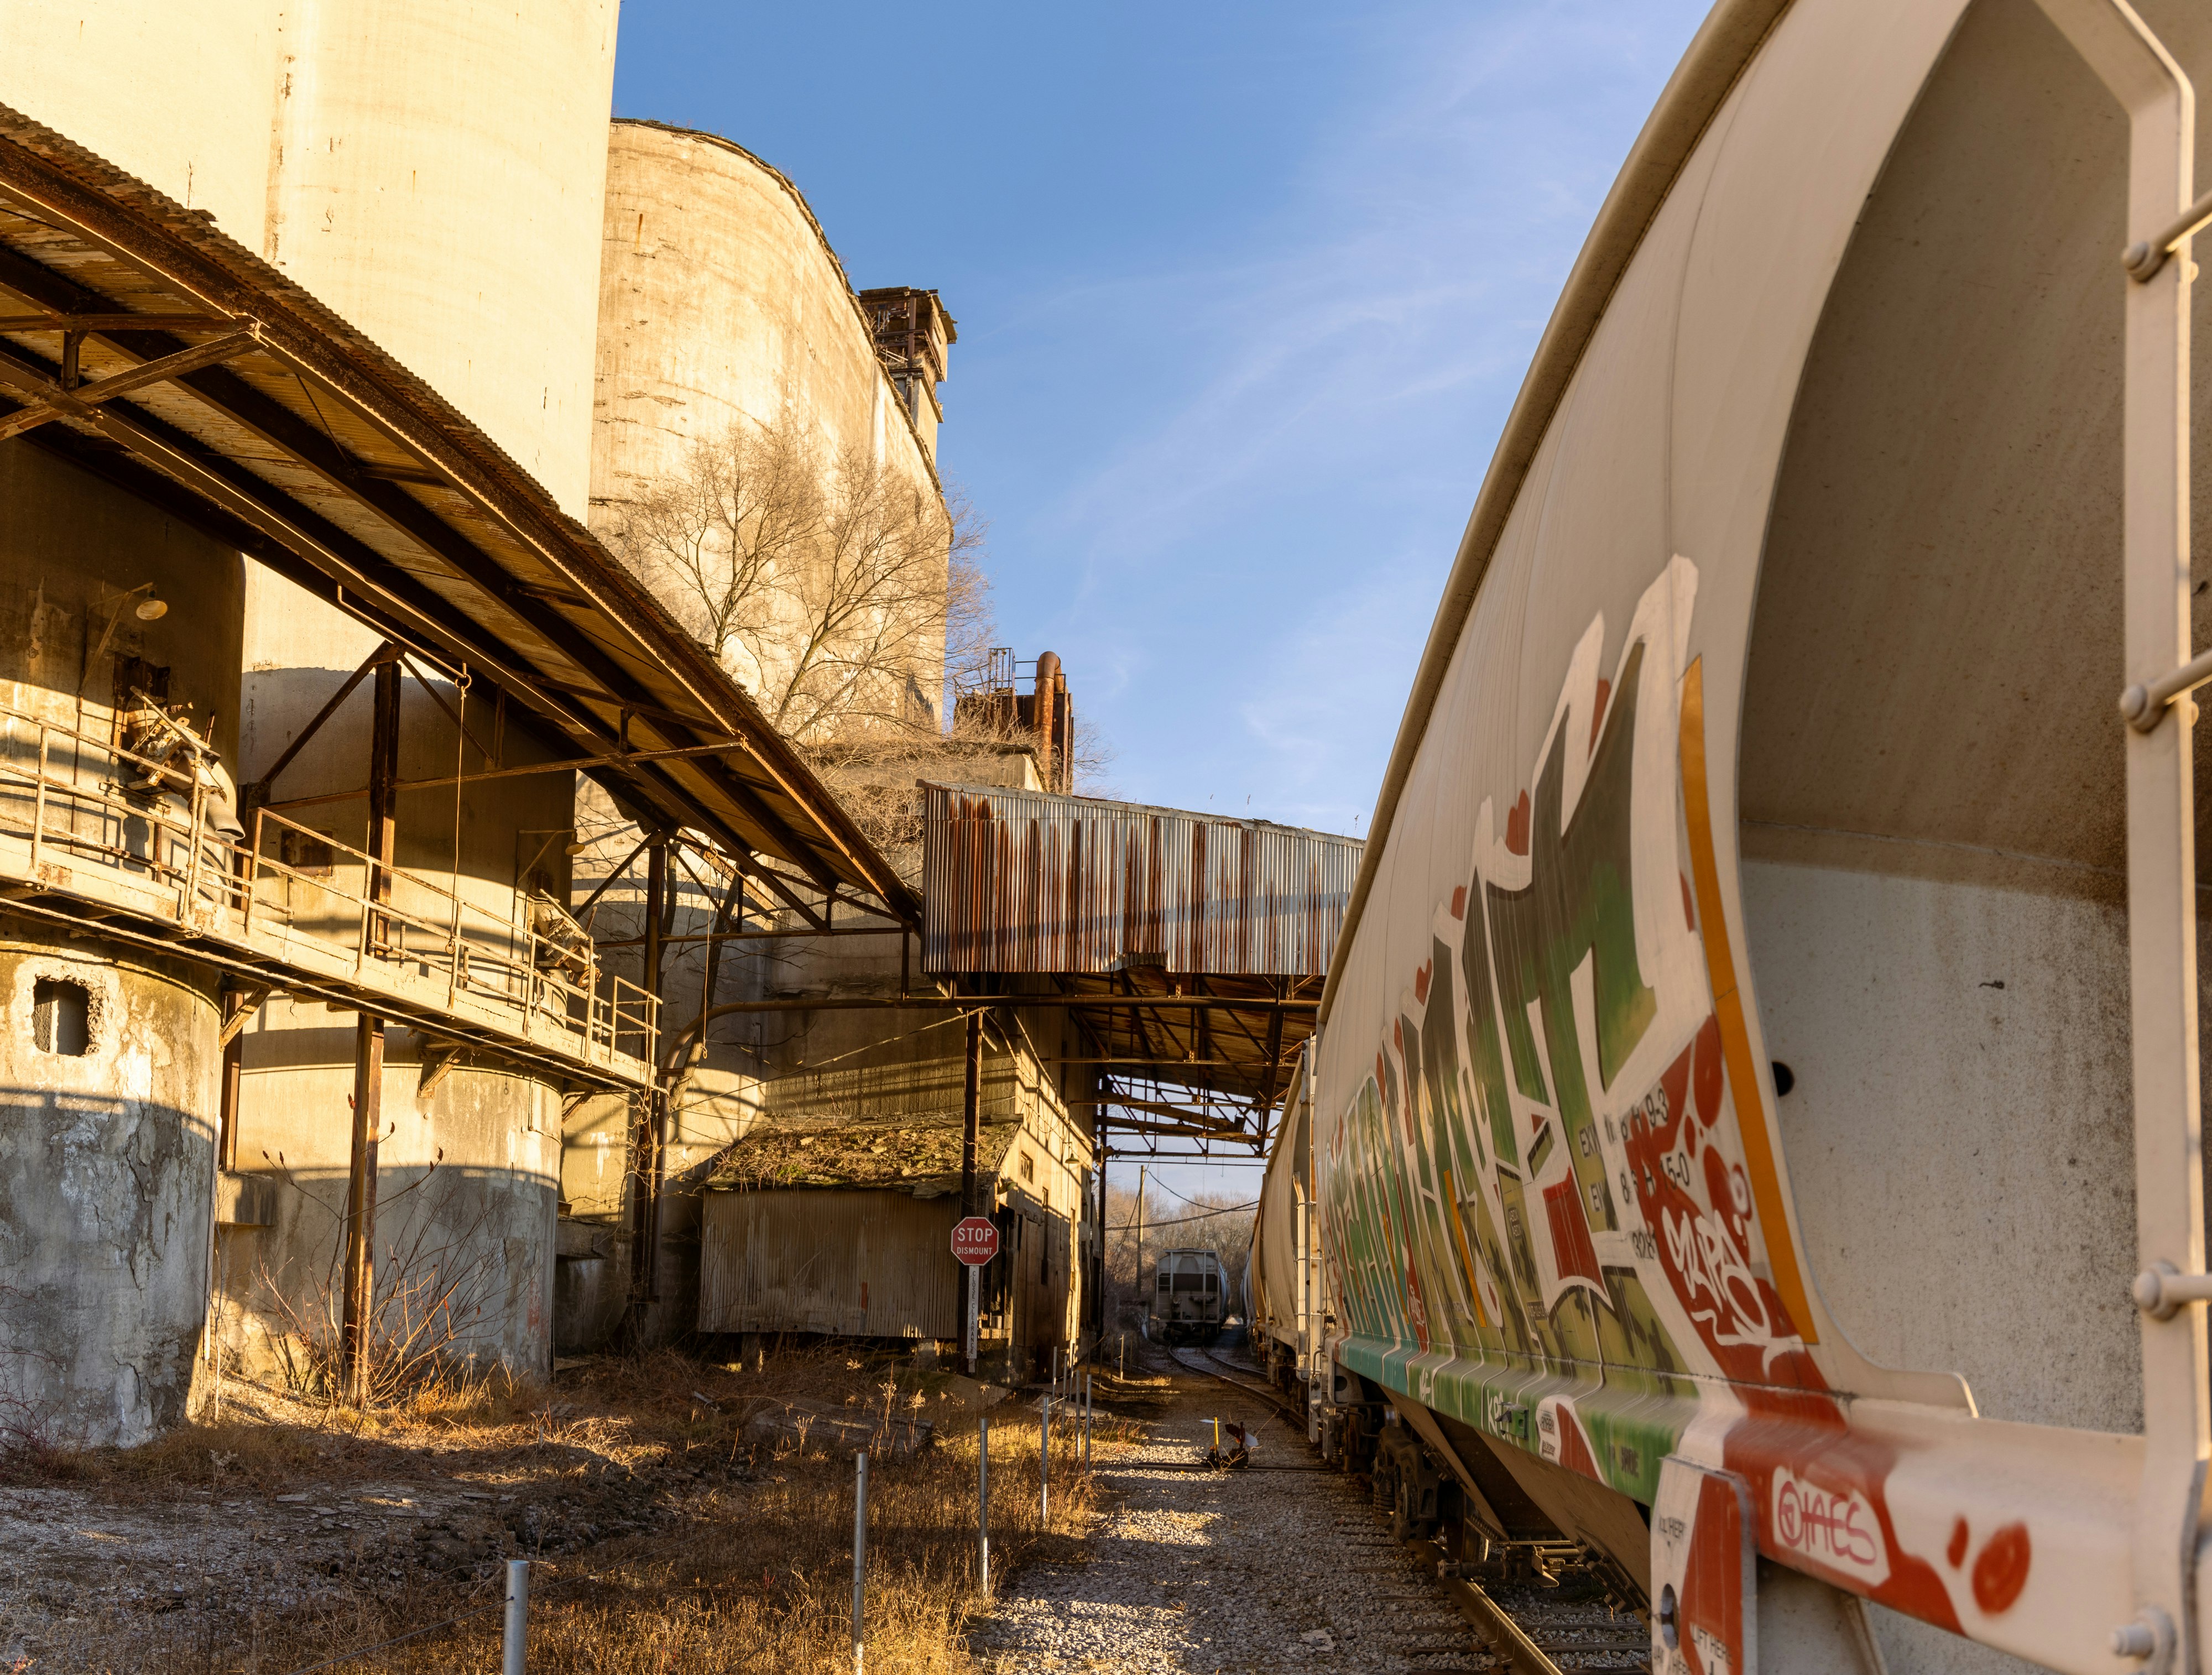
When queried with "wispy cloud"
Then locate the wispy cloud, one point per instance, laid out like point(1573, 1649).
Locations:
point(1302, 411)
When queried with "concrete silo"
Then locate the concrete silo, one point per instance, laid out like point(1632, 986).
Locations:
point(726, 315)
point(433, 173)
point(437, 177)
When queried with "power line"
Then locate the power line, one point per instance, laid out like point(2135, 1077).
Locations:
point(1225, 1209)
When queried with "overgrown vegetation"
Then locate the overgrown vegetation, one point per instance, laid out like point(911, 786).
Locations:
point(720, 1500)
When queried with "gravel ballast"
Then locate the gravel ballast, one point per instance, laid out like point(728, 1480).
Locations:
point(1281, 1566)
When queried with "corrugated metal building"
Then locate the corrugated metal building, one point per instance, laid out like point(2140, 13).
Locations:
point(1022, 881)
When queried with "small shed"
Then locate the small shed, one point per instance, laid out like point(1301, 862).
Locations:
point(844, 1228)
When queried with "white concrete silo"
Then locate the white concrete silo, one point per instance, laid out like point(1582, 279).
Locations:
point(433, 173)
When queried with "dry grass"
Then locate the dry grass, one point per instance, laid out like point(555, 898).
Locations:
point(743, 1561)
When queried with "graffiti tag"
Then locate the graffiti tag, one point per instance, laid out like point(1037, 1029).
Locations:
point(1835, 1528)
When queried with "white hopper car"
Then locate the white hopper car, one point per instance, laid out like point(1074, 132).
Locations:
point(1753, 1130)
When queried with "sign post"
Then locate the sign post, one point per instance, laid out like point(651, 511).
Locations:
point(975, 1241)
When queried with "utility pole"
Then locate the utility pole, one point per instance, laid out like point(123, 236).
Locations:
point(971, 1112)
point(358, 1304)
point(645, 1131)
point(1143, 1295)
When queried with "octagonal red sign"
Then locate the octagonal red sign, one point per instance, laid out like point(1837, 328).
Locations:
point(975, 1241)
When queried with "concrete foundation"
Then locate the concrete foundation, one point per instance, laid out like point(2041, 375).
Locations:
point(464, 1208)
point(106, 1180)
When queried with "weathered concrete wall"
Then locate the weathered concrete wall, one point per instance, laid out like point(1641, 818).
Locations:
point(723, 307)
point(107, 1181)
point(106, 1159)
point(466, 1180)
point(721, 301)
point(465, 1202)
point(70, 549)
point(432, 169)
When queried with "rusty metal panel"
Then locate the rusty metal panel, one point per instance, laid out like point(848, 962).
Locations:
point(852, 1263)
point(1022, 881)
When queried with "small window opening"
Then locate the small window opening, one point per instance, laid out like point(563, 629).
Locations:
point(1028, 1166)
point(61, 1016)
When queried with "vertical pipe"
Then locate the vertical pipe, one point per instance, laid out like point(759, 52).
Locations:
point(1144, 1291)
point(860, 1552)
point(233, 1072)
point(368, 1049)
point(1090, 1418)
point(983, 1506)
point(514, 1646)
point(645, 1129)
point(1044, 1461)
point(968, 1336)
point(971, 1118)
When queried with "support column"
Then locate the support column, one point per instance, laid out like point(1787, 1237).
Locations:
point(359, 1305)
point(645, 1134)
point(1098, 1255)
point(971, 1108)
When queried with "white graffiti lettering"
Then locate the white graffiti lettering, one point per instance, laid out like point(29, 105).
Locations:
point(1710, 1269)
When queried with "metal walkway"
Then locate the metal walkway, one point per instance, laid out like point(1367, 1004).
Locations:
point(94, 836)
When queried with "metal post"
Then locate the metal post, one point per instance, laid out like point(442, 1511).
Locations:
point(1044, 1461)
point(514, 1646)
point(860, 1551)
point(368, 1051)
point(233, 1072)
point(974, 1288)
point(983, 1504)
point(971, 1112)
point(1088, 1415)
point(645, 1130)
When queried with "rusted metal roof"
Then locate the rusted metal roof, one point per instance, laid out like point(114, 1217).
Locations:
point(209, 384)
point(1021, 881)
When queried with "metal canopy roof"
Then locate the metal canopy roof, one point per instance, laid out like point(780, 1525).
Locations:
point(154, 352)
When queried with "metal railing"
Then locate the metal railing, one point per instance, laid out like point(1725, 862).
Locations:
point(97, 819)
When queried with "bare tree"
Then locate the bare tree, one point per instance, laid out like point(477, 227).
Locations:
point(827, 582)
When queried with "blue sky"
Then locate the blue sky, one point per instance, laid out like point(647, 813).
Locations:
point(1244, 291)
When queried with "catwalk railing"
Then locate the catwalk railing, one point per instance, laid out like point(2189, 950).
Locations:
point(138, 839)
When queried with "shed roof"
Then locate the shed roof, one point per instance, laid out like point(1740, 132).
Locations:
point(916, 1155)
point(215, 387)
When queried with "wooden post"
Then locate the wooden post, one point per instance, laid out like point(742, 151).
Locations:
point(645, 1137)
point(971, 1117)
point(368, 1051)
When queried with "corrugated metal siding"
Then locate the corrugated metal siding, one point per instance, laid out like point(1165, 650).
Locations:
point(1022, 881)
point(854, 1264)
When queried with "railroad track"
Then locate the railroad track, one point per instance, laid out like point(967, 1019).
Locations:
point(1534, 1634)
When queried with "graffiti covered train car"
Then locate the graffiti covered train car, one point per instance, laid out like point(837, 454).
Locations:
point(1754, 1129)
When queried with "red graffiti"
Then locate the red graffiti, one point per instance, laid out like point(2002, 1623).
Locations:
point(1421, 983)
point(1516, 827)
point(1707, 1080)
point(2002, 1571)
point(1956, 1552)
point(1825, 1526)
point(1459, 901)
point(1597, 711)
point(1571, 1245)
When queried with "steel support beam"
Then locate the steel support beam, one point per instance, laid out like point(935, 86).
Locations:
point(359, 1306)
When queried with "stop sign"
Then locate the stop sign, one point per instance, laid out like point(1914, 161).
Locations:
point(975, 1241)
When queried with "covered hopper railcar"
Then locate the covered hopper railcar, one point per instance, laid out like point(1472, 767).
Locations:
point(1762, 1055)
point(1190, 1297)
